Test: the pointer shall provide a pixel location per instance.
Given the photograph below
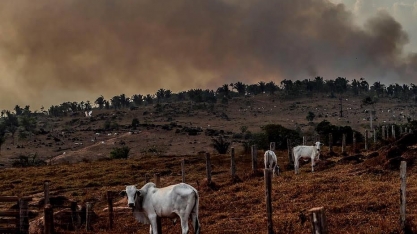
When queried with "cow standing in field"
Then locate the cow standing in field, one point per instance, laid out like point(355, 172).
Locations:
point(149, 202)
point(304, 151)
point(270, 160)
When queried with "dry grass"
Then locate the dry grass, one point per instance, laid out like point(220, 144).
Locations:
point(358, 198)
point(355, 201)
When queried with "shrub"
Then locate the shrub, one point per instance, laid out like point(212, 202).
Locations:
point(28, 161)
point(220, 144)
point(135, 123)
point(118, 153)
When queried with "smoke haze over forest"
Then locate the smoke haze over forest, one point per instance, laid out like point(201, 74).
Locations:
point(74, 50)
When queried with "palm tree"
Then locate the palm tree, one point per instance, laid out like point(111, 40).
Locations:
point(116, 102)
point(160, 94)
point(363, 84)
point(100, 102)
point(18, 110)
point(137, 99)
point(378, 88)
point(240, 87)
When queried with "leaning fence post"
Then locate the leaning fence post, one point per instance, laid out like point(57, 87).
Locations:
point(268, 190)
point(208, 168)
point(403, 177)
point(48, 219)
point(254, 160)
point(318, 221)
point(232, 163)
point(183, 170)
point(110, 208)
point(343, 143)
point(23, 213)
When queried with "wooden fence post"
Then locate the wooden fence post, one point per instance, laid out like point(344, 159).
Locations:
point(48, 219)
point(272, 146)
point(354, 141)
point(304, 140)
point(88, 208)
point(290, 159)
point(330, 142)
point(254, 158)
point(403, 177)
point(383, 132)
point(183, 170)
point(46, 191)
point(23, 213)
point(208, 168)
point(366, 139)
point(76, 221)
point(393, 131)
point(232, 163)
point(157, 178)
point(268, 191)
point(110, 207)
point(343, 143)
point(374, 135)
point(318, 221)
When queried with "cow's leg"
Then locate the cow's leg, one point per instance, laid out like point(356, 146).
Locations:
point(296, 165)
point(184, 223)
point(312, 164)
point(154, 227)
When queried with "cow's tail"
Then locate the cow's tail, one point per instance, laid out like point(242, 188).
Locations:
point(194, 214)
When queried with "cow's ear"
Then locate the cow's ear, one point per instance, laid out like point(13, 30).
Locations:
point(123, 193)
point(140, 192)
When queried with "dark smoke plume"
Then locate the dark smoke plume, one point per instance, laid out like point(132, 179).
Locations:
point(73, 50)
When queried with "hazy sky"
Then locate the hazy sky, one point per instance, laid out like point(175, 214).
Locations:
point(76, 50)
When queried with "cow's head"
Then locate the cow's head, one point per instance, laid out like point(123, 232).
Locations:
point(318, 145)
point(134, 196)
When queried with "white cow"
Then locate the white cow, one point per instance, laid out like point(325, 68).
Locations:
point(270, 160)
point(304, 151)
point(176, 200)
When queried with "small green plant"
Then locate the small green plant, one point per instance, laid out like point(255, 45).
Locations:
point(120, 152)
point(220, 144)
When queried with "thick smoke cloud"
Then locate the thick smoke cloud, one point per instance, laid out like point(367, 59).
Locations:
point(56, 51)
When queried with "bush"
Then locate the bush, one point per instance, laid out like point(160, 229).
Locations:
point(118, 153)
point(135, 123)
point(28, 161)
point(220, 144)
